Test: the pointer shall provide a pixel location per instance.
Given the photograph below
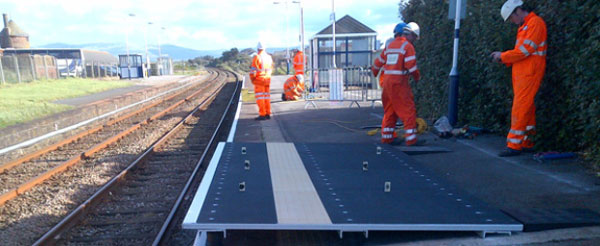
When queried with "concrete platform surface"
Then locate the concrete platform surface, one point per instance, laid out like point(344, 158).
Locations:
point(472, 165)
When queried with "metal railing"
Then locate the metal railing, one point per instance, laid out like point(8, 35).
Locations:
point(354, 84)
point(27, 68)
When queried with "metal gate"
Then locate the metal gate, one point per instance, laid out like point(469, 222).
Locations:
point(355, 84)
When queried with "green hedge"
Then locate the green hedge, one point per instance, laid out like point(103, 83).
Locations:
point(568, 103)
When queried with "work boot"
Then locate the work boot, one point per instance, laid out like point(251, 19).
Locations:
point(282, 96)
point(396, 142)
point(268, 117)
point(420, 142)
point(261, 118)
point(509, 152)
point(527, 150)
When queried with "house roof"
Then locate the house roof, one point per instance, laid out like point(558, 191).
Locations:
point(347, 25)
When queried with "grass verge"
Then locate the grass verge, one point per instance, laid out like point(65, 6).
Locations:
point(27, 101)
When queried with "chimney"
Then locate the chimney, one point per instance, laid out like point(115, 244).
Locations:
point(5, 17)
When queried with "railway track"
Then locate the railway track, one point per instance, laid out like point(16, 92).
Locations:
point(161, 177)
point(18, 176)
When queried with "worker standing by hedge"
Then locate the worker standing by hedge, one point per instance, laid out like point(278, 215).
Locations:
point(260, 75)
point(399, 61)
point(528, 61)
point(398, 29)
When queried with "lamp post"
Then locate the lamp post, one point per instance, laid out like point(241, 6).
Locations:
point(159, 60)
point(127, 46)
point(146, 44)
point(333, 29)
point(287, 34)
point(301, 25)
point(454, 80)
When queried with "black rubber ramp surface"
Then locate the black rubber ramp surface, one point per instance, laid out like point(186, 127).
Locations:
point(361, 186)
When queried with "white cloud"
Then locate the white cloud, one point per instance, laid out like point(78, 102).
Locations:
point(194, 24)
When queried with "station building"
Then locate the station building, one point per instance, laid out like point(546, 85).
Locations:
point(355, 44)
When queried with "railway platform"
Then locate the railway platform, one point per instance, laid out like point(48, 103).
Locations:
point(519, 192)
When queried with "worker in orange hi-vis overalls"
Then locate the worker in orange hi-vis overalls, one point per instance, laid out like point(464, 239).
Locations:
point(293, 88)
point(528, 61)
point(399, 61)
point(260, 75)
point(298, 62)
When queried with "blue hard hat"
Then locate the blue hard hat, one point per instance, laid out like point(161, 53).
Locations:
point(399, 28)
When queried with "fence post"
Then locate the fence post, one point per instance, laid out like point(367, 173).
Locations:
point(45, 66)
point(17, 68)
point(56, 67)
point(33, 67)
point(2, 71)
point(98, 69)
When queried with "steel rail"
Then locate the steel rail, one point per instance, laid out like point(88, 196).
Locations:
point(75, 126)
point(13, 193)
point(72, 218)
point(72, 139)
point(187, 186)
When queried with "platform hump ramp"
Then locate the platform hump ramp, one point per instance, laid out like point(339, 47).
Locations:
point(341, 187)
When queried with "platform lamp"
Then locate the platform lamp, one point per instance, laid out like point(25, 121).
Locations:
point(159, 60)
point(127, 46)
point(287, 34)
point(146, 45)
point(333, 30)
point(301, 26)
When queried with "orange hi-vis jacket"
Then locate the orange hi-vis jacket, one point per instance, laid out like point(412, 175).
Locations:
point(261, 68)
point(398, 61)
point(293, 88)
point(396, 68)
point(299, 63)
point(528, 61)
point(260, 74)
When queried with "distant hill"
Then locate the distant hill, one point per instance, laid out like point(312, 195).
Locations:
point(174, 51)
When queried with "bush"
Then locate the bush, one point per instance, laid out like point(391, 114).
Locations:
point(568, 102)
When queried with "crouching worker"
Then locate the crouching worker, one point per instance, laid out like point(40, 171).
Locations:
point(293, 88)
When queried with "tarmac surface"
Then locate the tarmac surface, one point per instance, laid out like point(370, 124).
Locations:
point(510, 184)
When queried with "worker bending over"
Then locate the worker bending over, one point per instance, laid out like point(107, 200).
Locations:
point(293, 88)
point(528, 61)
point(399, 61)
point(260, 75)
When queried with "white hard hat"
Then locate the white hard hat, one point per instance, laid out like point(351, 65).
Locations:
point(260, 46)
point(508, 8)
point(300, 77)
point(413, 28)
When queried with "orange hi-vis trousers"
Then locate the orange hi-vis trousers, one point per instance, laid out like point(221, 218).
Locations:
point(262, 93)
point(522, 124)
point(398, 102)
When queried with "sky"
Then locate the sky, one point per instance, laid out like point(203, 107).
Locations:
point(196, 24)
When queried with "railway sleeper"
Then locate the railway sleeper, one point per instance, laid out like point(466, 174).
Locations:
point(111, 240)
point(160, 188)
point(132, 211)
point(141, 183)
point(147, 218)
point(172, 173)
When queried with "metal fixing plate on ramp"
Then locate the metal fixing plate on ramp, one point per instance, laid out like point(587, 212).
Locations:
point(319, 186)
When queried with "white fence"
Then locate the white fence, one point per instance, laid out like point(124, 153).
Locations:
point(344, 84)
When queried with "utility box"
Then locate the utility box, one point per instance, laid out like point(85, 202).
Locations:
point(452, 9)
